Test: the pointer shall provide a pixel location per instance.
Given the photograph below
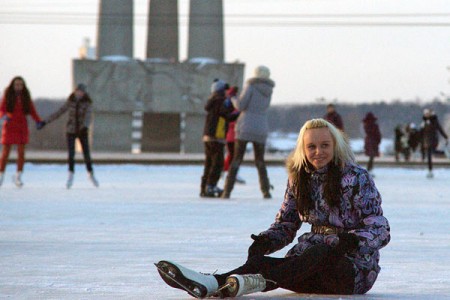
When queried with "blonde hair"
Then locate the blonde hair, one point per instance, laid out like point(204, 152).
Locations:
point(342, 153)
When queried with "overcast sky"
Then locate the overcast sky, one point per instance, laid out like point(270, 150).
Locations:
point(349, 50)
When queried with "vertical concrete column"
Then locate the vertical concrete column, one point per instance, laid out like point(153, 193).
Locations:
point(206, 29)
point(115, 28)
point(162, 31)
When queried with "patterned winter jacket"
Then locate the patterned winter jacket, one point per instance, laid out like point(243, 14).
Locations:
point(360, 213)
point(79, 113)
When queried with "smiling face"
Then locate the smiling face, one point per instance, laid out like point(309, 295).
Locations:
point(319, 146)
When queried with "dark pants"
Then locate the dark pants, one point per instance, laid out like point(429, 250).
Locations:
point(213, 163)
point(239, 151)
point(429, 152)
point(318, 270)
point(370, 163)
point(83, 138)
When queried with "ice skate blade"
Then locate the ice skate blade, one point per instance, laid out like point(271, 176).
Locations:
point(175, 278)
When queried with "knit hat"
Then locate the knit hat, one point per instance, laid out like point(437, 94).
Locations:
point(81, 87)
point(262, 72)
point(218, 86)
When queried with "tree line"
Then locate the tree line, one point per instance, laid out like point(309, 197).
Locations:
point(289, 118)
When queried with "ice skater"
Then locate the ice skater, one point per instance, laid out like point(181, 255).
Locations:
point(16, 105)
point(429, 129)
point(252, 126)
point(79, 108)
point(340, 255)
point(214, 133)
point(372, 139)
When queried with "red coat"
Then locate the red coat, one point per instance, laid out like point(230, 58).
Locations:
point(15, 131)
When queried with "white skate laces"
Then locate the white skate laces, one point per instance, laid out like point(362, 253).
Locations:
point(238, 285)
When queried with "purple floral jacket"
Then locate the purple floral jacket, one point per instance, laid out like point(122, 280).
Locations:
point(360, 213)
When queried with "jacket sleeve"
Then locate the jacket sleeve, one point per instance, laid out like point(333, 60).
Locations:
point(58, 113)
point(3, 107)
point(87, 117)
point(439, 127)
point(241, 103)
point(287, 222)
point(34, 113)
point(373, 228)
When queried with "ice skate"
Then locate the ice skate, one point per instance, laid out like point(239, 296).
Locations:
point(213, 191)
point(18, 179)
point(240, 180)
point(430, 175)
point(196, 284)
point(1, 178)
point(69, 182)
point(93, 179)
point(238, 285)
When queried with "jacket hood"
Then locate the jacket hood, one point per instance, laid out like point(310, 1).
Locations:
point(263, 85)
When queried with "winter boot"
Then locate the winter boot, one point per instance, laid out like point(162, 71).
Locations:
point(196, 284)
point(69, 182)
point(239, 285)
point(1, 178)
point(18, 179)
point(93, 179)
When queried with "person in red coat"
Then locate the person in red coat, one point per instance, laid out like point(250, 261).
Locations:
point(372, 139)
point(16, 105)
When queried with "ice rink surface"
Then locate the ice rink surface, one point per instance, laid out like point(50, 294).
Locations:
point(101, 243)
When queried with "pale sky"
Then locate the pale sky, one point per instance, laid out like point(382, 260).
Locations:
point(350, 50)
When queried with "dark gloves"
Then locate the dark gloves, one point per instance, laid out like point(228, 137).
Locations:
point(348, 242)
point(260, 245)
point(40, 125)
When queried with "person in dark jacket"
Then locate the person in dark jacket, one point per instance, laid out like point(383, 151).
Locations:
point(333, 117)
point(79, 108)
point(339, 255)
point(252, 126)
point(372, 139)
point(430, 130)
point(414, 140)
point(214, 135)
point(15, 107)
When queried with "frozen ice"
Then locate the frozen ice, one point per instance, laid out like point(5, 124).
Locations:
point(101, 243)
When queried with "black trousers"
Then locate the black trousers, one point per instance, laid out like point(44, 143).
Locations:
point(83, 138)
point(370, 163)
point(318, 270)
point(240, 147)
point(429, 153)
point(213, 163)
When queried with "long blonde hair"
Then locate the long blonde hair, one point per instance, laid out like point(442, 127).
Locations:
point(299, 168)
point(342, 153)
